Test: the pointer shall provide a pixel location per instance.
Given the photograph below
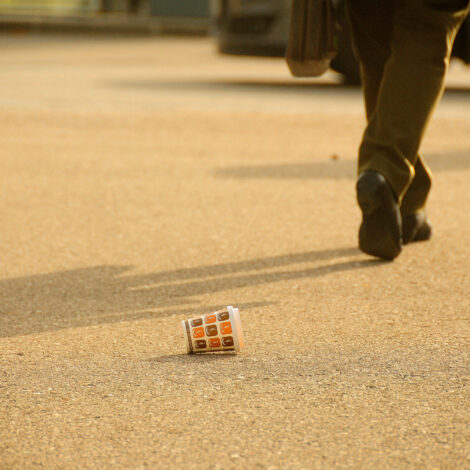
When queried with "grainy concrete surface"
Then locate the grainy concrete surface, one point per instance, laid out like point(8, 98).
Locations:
point(147, 180)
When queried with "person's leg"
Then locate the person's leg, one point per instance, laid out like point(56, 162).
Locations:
point(416, 226)
point(371, 27)
point(411, 85)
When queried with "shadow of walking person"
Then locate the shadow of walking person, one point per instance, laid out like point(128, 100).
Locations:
point(108, 294)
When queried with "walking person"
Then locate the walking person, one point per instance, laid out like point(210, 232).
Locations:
point(404, 48)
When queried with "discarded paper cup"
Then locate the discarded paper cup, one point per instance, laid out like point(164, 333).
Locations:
point(217, 331)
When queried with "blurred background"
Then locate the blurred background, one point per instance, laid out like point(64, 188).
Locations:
point(90, 7)
point(241, 27)
point(133, 15)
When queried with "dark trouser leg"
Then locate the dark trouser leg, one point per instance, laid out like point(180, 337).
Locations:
point(410, 84)
point(371, 22)
point(414, 199)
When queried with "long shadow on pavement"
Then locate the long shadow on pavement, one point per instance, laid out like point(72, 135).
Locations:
point(261, 84)
point(107, 294)
point(337, 168)
point(220, 86)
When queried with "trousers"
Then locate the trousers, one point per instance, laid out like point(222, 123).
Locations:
point(404, 48)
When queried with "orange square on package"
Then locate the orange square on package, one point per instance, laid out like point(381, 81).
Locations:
point(226, 328)
point(214, 342)
point(211, 318)
point(198, 332)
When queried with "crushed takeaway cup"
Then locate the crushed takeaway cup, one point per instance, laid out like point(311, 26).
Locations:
point(217, 331)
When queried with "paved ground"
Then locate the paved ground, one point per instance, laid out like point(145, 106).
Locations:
point(148, 180)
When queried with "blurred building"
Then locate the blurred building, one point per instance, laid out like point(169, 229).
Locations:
point(168, 8)
point(49, 7)
point(192, 16)
point(181, 8)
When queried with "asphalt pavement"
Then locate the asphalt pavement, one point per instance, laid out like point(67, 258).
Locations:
point(148, 180)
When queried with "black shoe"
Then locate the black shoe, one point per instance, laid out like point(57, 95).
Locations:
point(380, 231)
point(416, 228)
